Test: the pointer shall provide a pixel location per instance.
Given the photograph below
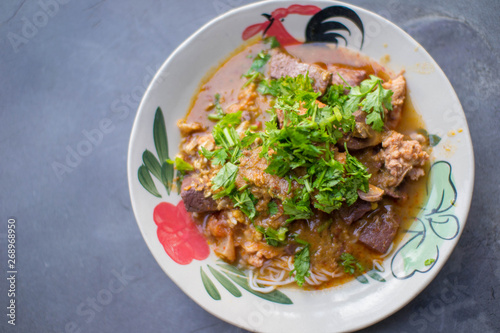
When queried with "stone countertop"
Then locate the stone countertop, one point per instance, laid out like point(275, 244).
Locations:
point(77, 239)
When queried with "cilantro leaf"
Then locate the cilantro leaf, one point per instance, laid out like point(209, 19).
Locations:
point(249, 138)
point(353, 101)
point(218, 156)
point(328, 201)
point(272, 41)
point(182, 165)
point(301, 264)
point(350, 263)
point(255, 69)
point(219, 112)
point(272, 236)
point(272, 206)
point(357, 170)
point(334, 95)
point(225, 177)
point(375, 120)
point(372, 98)
point(297, 209)
point(226, 137)
point(260, 60)
point(246, 202)
point(308, 131)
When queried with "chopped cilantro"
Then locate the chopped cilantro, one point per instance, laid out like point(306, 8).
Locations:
point(218, 156)
point(182, 165)
point(246, 202)
point(297, 209)
point(328, 201)
point(429, 262)
point(308, 131)
point(272, 206)
point(301, 263)
point(224, 132)
point(255, 70)
point(219, 112)
point(225, 179)
point(350, 263)
point(304, 141)
point(272, 41)
point(273, 237)
point(372, 98)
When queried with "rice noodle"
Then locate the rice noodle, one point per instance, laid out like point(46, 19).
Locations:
point(378, 265)
point(276, 272)
point(388, 251)
point(252, 283)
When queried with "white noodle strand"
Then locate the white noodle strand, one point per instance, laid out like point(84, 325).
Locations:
point(252, 283)
point(378, 265)
point(388, 251)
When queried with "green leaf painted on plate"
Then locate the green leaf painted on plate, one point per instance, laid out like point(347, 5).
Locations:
point(231, 269)
point(434, 140)
point(151, 162)
point(362, 279)
point(209, 286)
point(435, 224)
point(146, 181)
point(167, 175)
point(376, 276)
point(225, 282)
point(275, 296)
point(160, 136)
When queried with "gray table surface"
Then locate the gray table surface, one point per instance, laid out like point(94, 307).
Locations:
point(76, 234)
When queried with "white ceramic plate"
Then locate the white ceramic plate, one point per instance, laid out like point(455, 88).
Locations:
point(356, 304)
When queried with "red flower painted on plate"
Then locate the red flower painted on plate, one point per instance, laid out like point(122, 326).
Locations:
point(178, 234)
point(274, 26)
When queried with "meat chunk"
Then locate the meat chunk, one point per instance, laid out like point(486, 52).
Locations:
point(193, 195)
point(380, 232)
point(256, 253)
point(282, 64)
point(398, 87)
point(400, 157)
point(219, 227)
point(352, 76)
point(351, 214)
point(252, 168)
point(355, 143)
point(374, 194)
point(363, 136)
point(187, 129)
point(191, 144)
